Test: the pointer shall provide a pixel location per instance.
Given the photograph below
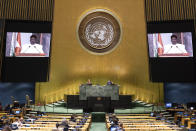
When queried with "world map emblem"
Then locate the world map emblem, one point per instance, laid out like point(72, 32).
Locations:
point(99, 32)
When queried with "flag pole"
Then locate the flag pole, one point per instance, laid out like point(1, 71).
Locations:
point(182, 38)
point(41, 39)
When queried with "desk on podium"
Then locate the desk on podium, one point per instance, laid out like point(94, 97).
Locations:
point(30, 55)
point(175, 55)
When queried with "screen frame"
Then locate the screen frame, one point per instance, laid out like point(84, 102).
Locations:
point(15, 69)
point(155, 27)
point(15, 26)
point(6, 44)
point(169, 69)
point(162, 39)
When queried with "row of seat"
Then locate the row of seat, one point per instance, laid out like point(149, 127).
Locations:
point(140, 122)
point(48, 122)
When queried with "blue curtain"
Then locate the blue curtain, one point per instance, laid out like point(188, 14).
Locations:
point(17, 90)
point(180, 93)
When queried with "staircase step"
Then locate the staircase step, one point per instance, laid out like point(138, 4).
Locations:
point(143, 103)
point(61, 102)
point(50, 105)
point(148, 105)
point(139, 101)
point(56, 104)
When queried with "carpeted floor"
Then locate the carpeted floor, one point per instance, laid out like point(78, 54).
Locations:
point(98, 126)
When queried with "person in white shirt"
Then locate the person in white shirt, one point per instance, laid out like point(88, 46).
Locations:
point(33, 47)
point(174, 48)
point(16, 124)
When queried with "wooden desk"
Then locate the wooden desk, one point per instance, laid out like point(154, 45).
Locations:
point(176, 117)
point(175, 55)
point(30, 54)
point(178, 110)
point(191, 124)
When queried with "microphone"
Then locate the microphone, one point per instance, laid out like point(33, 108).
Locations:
point(37, 49)
point(169, 49)
point(179, 49)
point(26, 49)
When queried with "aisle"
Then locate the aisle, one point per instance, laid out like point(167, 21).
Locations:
point(98, 126)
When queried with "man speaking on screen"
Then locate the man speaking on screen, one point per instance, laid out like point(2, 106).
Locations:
point(175, 47)
point(32, 48)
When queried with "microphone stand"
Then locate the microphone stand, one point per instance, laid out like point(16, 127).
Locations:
point(168, 50)
point(37, 49)
point(27, 48)
point(180, 49)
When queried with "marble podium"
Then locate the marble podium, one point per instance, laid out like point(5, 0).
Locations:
point(87, 90)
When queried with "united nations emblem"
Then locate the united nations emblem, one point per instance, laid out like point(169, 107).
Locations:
point(99, 31)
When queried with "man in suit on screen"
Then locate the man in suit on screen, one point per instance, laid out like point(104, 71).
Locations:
point(175, 47)
point(33, 47)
